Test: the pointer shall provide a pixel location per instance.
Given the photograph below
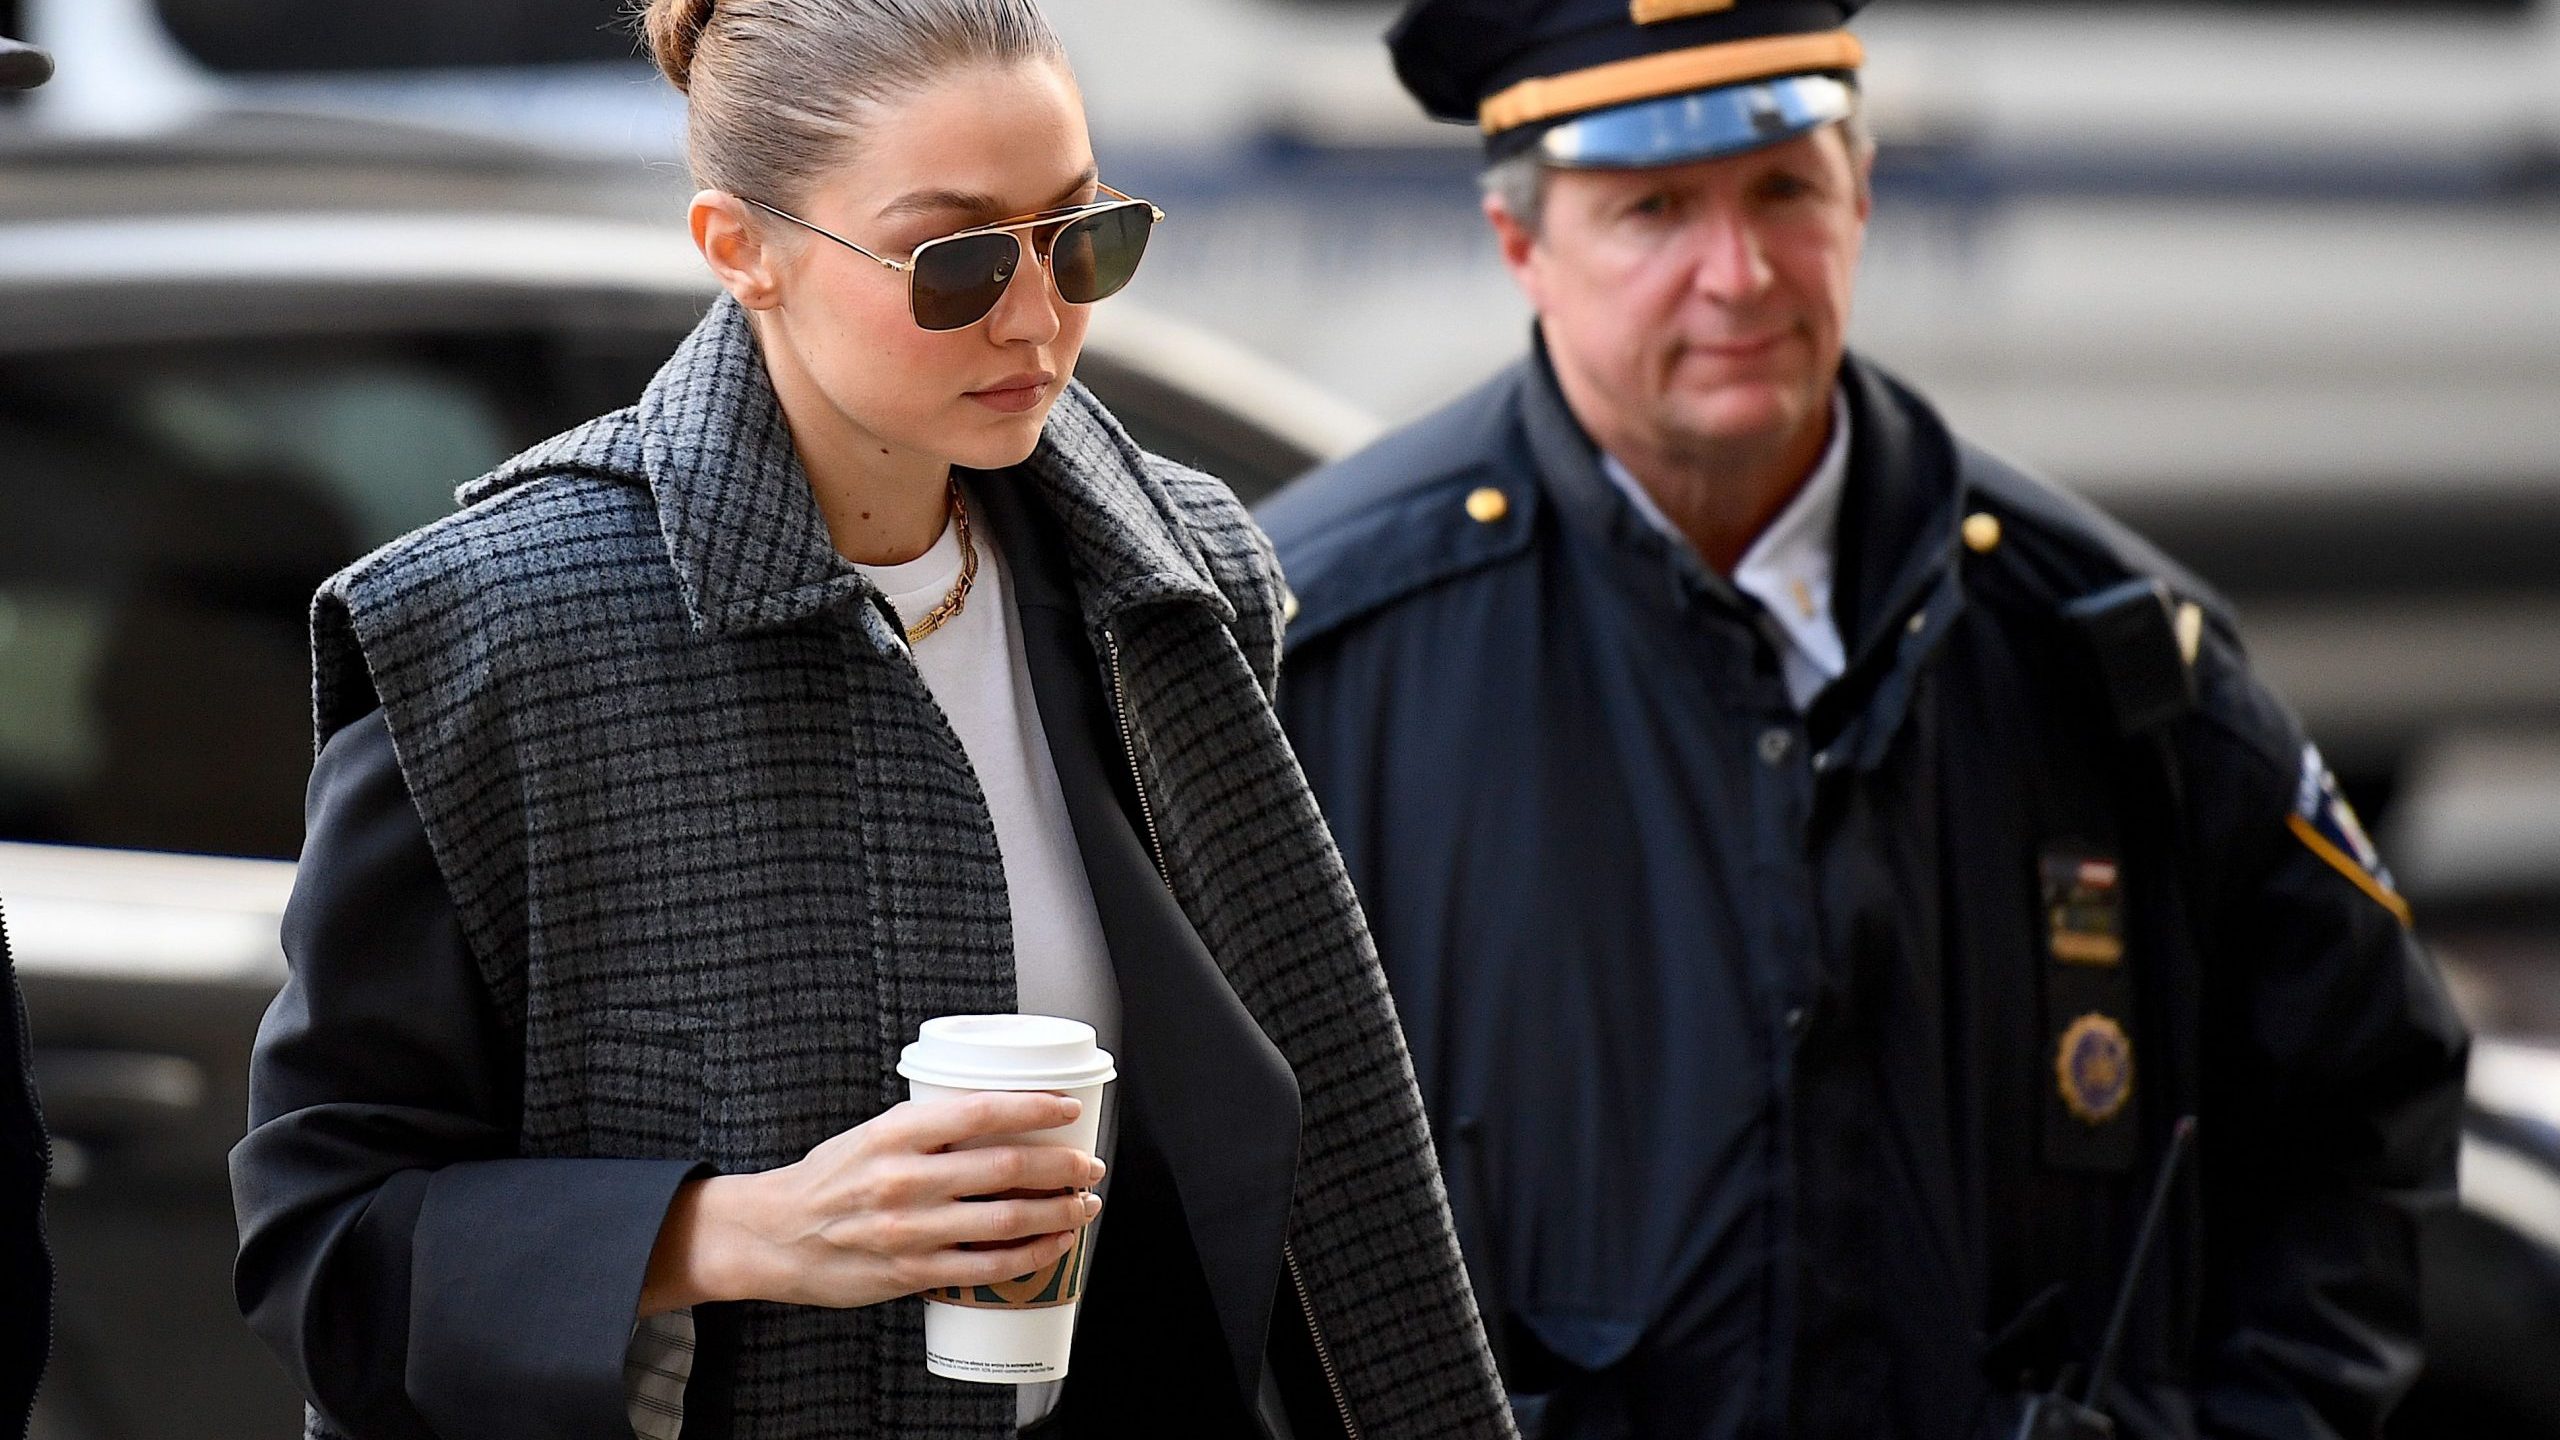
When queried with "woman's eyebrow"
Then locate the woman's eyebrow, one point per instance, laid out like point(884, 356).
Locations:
point(929, 202)
point(972, 205)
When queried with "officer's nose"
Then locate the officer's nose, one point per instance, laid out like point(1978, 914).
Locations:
point(1730, 260)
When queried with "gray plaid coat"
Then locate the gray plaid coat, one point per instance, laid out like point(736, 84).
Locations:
point(717, 854)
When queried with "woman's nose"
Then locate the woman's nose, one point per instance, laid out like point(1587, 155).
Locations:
point(1028, 310)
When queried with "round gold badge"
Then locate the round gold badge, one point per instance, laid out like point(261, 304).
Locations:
point(2095, 1068)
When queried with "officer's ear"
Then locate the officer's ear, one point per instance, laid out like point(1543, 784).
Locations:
point(1860, 142)
point(1514, 234)
point(1517, 240)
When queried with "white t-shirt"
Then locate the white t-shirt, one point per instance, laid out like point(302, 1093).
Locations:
point(975, 666)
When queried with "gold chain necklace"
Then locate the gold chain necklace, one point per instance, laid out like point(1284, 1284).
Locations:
point(945, 612)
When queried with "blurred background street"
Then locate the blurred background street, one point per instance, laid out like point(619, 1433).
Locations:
point(2275, 281)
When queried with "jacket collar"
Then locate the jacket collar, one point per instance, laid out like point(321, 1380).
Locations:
point(1899, 590)
point(1898, 515)
point(1898, 521)
point(1901, 514)
point(1569, 468)
point(743, 531)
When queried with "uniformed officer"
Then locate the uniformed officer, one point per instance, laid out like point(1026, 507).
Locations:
point(1818, 865)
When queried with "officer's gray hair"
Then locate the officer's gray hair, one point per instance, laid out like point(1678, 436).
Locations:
point(1519, 183)
point(778, 91)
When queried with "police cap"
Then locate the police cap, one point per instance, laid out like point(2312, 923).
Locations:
point(1623, 84)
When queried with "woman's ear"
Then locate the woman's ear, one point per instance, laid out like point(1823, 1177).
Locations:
point(736, 249)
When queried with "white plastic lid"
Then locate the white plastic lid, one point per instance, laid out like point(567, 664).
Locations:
point(1006, 1052)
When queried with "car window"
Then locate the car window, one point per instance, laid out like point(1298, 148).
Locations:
point(307, 35)
point(167, 509)
point(165, 514)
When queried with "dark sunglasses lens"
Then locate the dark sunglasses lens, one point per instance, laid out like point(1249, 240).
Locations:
point(1095, 256)
point(956, 282)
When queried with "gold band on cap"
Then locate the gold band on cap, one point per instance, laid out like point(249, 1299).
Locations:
point(1677, 72)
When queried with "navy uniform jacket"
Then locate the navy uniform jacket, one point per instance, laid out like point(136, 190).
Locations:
point(1807, 1074)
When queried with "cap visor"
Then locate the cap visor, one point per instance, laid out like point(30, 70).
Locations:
point(1702, 125)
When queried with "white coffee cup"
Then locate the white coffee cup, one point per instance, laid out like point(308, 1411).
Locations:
point(1019, 1332)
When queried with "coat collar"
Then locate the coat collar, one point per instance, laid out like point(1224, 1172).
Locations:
point(1569, 467)
point(1902, 510)
point(1899, 586)
point(743, 531)
point(1898, 516)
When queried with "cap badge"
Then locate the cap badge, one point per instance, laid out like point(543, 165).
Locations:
point(1654, 12)
point(2095, 1069)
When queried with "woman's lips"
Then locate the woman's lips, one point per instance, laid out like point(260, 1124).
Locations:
point(1015, 394)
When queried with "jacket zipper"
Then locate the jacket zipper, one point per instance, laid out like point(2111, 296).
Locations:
point(1129, 747)
point(1155, 843)
point(1324, 1355)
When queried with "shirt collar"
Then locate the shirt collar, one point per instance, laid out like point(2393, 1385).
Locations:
point(1789, 568)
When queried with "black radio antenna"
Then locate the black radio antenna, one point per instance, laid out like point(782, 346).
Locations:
point(2181, 1140)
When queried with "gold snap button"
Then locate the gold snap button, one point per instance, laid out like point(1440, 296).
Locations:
point(1487, 506)
point(1982, 533)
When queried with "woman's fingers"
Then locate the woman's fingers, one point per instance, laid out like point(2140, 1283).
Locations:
point(997, 1222)
point(892, 1206)
point(926, 1125)
point(1004, 1169)
point(985, 1267)
point(913, 1234)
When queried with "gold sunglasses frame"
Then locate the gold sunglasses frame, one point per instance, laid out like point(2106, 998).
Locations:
point(1044, 255)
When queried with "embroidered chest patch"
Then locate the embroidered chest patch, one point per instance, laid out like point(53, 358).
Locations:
point(2084, 909)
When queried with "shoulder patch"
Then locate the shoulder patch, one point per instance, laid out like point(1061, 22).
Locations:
point(2326, 824)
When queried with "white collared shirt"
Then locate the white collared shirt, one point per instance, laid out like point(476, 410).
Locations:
point(1789, 567)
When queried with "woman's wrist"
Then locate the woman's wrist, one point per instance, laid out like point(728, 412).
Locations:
point(705, 1250)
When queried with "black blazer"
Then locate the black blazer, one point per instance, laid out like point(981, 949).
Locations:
point(383, 1061)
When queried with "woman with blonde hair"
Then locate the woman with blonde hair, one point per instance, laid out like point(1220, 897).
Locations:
point(862, 672)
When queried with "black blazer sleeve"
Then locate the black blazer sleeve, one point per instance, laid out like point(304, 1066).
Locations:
point(414, 1273)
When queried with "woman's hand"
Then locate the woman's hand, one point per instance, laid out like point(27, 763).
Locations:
point(880, 1211)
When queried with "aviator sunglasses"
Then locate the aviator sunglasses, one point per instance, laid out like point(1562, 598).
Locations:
point(956, 280)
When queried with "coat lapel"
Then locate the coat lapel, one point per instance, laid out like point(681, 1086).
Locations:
point(1220, 1102)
